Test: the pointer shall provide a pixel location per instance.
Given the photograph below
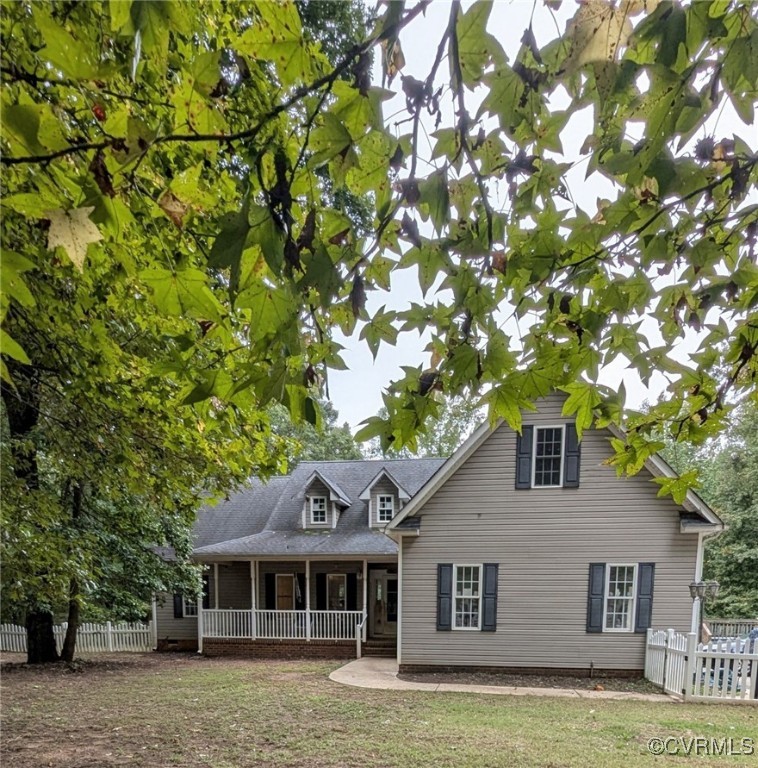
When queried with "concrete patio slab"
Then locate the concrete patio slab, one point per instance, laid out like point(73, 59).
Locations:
point(381, 673)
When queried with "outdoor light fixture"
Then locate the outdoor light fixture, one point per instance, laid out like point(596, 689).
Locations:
point(697, 590)
point(703, 589)
point(700, 590)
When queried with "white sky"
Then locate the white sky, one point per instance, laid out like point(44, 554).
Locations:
point(356, 393)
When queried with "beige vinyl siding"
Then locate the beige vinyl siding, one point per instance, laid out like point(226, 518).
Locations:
point(544, 541)
point(234, 585)
point(170, 628)
point(384, 487)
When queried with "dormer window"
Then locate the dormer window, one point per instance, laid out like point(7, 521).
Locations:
point(548, 457)
point(318, 510)
point(385, 509)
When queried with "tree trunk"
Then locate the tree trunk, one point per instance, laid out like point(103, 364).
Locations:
point(69, 643)
point(40, 640)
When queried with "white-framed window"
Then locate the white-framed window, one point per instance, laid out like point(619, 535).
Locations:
point(318, 510)
point(385, 509)
point(189, 607)
point(467, 581)
point(620, 593)
point(336, 591)
point(547, 460)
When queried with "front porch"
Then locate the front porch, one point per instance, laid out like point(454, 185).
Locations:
point(316, 608)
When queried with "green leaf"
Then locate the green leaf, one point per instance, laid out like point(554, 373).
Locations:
point(120, 11)
point(474, 42)
point(677, 487)
point(277, 37)
point(582, 401)
point(271, 310)
point(327, 140)
point(184, 292)
point(12, 348)
point(505, 404)
point(74, 58)
point(435, 197)
point(380, 329)
point(230, 243)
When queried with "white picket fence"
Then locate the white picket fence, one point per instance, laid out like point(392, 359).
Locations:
point(110, 637)
point(724, 669)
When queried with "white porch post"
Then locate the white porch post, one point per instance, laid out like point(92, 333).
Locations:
point(308, 600)
point(365, 598)
point(253, 601)
point(215, 585)
point(154, 624)
point(200, 624)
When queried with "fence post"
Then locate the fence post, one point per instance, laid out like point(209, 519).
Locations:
point(109, 635)
point(690, 665)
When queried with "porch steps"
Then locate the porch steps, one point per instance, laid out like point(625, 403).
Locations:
point(384, 648)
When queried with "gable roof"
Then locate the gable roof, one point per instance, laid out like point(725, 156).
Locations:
point(335, 492)
point(656, 465)
point(266, 519)
point(365, 494)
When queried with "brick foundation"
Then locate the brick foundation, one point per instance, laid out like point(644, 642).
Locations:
point(416, 669)
point(279, 649)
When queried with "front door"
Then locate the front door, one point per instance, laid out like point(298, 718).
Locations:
point(285, 592)
point(382, 604)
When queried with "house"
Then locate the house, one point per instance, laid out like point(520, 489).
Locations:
point(528, 552)
point(294, 566)
point(522, 551)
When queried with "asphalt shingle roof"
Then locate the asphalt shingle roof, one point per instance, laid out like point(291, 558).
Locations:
point(265, 519)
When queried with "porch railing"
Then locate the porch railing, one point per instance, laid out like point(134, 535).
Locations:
point(281, 625)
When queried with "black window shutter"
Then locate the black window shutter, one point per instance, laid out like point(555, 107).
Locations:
point(269, 584)
point(320, 591)
point(178, 606)
point(351, 599)
point(524, 443)
point(572, 458)
point(300, 596)
point(595, 597)
point(444, 596)
point(643, 613)
point(206, 592)
point(489, 598)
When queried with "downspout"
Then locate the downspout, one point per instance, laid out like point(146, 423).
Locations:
point(399, 599)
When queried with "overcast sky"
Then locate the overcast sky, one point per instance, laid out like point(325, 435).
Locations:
point(356, 393)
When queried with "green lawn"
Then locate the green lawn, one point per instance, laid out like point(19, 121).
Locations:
point(183, 711)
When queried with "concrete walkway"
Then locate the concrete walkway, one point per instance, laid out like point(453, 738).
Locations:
point(376, 672)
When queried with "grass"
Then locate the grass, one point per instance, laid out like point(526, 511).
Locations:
point(164, 710)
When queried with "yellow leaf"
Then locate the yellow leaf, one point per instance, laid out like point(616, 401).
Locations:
point(597, 32)
point(73, 231)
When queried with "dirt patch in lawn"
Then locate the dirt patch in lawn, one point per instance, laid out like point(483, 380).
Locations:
point(582, 683)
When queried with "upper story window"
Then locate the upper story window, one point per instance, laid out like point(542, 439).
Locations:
point(548, 457)
point(620, 581)
point(385, 510)
point(318, 510)
point(466, 597)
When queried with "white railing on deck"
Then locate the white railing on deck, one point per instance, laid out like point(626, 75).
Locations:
point(281, 625)
point(731, 627)
point(725, 669)
point(110, 637)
